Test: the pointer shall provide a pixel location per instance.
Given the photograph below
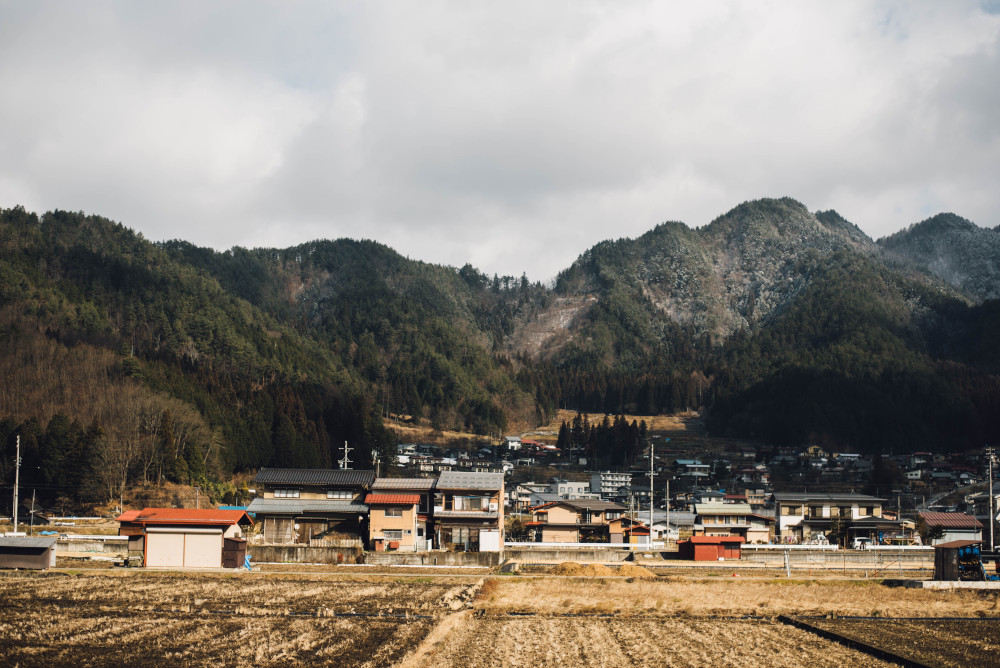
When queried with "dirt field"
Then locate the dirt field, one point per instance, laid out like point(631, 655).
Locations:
point(589, 642)
point(937, 642)
point(104, 618)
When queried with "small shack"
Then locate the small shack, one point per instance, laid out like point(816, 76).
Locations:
point(35, 552)
point(711, 548)
point(179, 537)
point(958, 560)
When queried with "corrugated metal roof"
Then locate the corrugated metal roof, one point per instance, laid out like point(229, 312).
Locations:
point(392, 499)
point(801, 496)
point(300, 506)
point(188, 516)
point(722, 509)
point(30, 542)
point(404, 483)
point(951, 520)
point(465, 514)
point(332, 477)
point(468, 480)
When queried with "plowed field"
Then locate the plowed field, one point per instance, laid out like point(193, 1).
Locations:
point(106, 618)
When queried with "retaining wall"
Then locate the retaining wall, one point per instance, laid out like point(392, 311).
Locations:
point(108, 546)
point(584, 555)
point(434, 558)
point(303, 554)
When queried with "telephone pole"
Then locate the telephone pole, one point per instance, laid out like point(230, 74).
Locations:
point(651, 474)
point(345, 461)
point(989, 494)
point(17, 478)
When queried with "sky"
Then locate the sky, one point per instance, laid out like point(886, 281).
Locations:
point(509, 135)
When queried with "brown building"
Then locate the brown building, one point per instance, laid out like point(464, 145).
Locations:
point(298, 505)
point(574, 521)
point(468, 511)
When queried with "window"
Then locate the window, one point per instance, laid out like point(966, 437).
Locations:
point(393, 534)
point(339, 494)
point(612, 514)
point(286, 493)
point(393, 512)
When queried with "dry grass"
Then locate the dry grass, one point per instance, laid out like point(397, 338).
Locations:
point(735, 597)
point(561, 641)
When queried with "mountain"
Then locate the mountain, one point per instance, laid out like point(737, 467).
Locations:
point(954, 249)
point(126, 360)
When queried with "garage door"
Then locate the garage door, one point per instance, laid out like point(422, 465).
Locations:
point(203, 550)
point(165, 549)
point(189, 548)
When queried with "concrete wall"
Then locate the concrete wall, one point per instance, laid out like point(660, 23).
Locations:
point(302, 554)
point(579, 555)
point(435, 558)
point(108, 546)
point(857, 558)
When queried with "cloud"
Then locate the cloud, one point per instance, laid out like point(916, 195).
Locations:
point(512, 135)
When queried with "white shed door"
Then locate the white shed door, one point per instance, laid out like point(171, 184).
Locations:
point(165, 549)
point(203, 550)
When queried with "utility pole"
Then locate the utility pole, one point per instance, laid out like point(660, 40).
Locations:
point(651, 474)
point(32, 529)
point(345, 461)
point(989, 493)
point(17, 478)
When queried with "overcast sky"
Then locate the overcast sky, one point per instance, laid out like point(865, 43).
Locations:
point(510, 135)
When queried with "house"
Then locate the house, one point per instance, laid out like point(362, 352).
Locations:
point(34, 552)
point(574, 521)
point(183, 537)
point(299, 505)
point(799, 517)
point(955, 526)
point(468, 511)
point(520, 496)
point(423, 488)
point(392, 521)
point(569, 489)
point(607, 483)
point(722, 519)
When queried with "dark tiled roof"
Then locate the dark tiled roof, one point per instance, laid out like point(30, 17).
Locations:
point(318, 477)
point(590, 504)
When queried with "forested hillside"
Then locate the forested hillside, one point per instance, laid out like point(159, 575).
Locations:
point(124, 360)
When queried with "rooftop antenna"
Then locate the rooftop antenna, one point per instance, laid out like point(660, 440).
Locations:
point(345, 461)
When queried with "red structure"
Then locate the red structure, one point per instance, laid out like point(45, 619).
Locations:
point(710, 548)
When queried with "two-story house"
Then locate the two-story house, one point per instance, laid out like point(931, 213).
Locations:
point(573, 521)
point(800, 516)
point(468, 511)
point(400, 512)
point(298, 505)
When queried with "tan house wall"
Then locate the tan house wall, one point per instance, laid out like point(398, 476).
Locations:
point(378, 523)
point(559, 535)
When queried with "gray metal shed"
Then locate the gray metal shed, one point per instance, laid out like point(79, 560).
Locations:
point(38, 552)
